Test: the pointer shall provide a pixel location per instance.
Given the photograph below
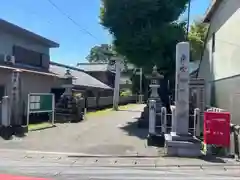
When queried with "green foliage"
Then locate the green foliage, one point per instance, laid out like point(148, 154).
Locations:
point(103, 54)
point(135, 78)
point(126, 92)
point(196, 36)
point(100, 54)
point(145, 31)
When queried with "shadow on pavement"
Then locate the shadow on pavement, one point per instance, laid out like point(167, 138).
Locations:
point(43, 128)
point(213, 159)
point(133, 130)
point(128, 110)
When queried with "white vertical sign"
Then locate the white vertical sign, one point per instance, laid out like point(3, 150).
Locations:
point(182, 88)
point(116, 85)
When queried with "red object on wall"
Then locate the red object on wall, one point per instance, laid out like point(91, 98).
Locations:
point(217, 128)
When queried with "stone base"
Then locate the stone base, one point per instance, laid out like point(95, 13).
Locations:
point(183, 146)
point(156, 140)
point(6, 132)
point(19, 130)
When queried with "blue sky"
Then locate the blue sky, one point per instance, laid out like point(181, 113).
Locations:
point(42, 18)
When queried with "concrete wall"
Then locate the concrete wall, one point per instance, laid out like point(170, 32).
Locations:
point(226, 25)
point(227, 96)
point(35, 83)
point(7, 41)
point(30, 83)
point(106, 101)
point(219, 68)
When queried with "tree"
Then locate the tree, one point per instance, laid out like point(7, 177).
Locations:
point(145, 31)
point(196, 36)
point(100, 53)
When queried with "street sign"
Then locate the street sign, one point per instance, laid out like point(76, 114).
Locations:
point(40, 103)
point(217, 128)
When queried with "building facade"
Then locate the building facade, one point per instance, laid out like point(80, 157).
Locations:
point(27, 52)
point(221, 57)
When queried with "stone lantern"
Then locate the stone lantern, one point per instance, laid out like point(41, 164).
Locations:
point(154, 78)
point(68, 104)
point(68, 82)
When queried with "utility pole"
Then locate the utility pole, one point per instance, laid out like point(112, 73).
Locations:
point(116, 61)
point(140, 73)
point(140, 81)
point(141, 92)
point(188, 21)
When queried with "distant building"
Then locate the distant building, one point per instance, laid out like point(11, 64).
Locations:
point(102, 72)
point(81, 81)
point(221, 58)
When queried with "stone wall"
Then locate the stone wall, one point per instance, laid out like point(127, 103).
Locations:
point(107, 101)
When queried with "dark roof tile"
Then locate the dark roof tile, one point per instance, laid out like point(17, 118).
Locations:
point(82, 78)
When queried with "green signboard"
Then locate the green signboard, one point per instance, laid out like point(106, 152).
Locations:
point(41, 103)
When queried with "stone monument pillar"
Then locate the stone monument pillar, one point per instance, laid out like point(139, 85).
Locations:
point(182, 88)
point(179, 142)
point(16, 118)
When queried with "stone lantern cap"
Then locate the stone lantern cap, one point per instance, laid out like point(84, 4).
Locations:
point(155, 76)
point(68, 74)
point(68, 77)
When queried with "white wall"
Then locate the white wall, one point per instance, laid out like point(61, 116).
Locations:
point(226, 25)
point(225, 62)
point(8, 40)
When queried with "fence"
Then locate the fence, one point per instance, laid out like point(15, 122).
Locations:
point(168, 121)
point(93, 102)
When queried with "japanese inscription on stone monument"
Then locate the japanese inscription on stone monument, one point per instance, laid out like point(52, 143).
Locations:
point(182, 87)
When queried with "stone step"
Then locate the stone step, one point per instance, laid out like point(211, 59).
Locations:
point(184, 144)
point(183, 152)
point(183, 149)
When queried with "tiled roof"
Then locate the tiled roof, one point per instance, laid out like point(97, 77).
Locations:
point(27, 70)
point(82, 78)
point(100, 67)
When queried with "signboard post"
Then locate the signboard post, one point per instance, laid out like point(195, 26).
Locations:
point(41, 103)
point(217, 128)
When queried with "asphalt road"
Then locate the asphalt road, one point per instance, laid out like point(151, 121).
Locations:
point(64, 167)
point(111, 133)
point(92, 150)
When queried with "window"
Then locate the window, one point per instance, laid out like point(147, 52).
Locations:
point(26, 56)
point(213, 42)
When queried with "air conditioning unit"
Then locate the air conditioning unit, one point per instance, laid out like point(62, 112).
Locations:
point(9, 59)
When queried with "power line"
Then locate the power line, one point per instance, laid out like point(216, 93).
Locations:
point(72, 20)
